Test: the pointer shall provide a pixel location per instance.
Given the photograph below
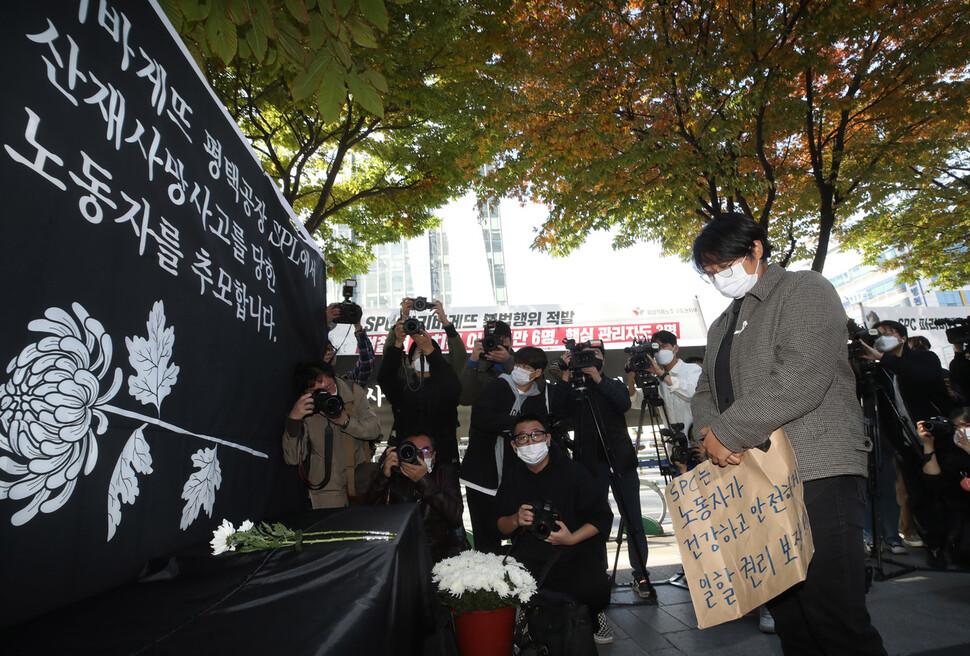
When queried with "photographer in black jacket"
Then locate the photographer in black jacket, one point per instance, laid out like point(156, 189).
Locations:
point(426, 398)
point(566, 552)
point(911, 389)
point(421, 479)
point(601, 405)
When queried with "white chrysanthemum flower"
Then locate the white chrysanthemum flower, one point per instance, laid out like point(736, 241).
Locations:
point(50, 411)
point(245, 526)
point(222, 538)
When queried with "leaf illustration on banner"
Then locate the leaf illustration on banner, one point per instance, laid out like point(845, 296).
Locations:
point(151, 359)
point(135, 458)
point(200, 490)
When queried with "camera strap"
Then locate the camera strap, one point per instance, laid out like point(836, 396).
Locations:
point(304, 467)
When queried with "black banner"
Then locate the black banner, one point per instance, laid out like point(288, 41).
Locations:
point(156, 299)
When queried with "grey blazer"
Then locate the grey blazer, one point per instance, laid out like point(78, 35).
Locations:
point(789, 369)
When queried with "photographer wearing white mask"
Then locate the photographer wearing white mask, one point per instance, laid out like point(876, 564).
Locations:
point(678, 380)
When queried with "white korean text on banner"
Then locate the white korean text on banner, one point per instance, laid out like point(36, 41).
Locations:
point(542, 326)
point(157, 297)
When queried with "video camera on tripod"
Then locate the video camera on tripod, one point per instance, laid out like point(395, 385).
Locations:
point(640, 353)
point(580, 358)
point(679, 451)
point(957, 330)
point(867, 336)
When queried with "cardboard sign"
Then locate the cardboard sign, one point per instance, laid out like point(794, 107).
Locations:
point(742, 530)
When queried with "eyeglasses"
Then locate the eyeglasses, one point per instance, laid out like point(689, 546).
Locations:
point(524, 438)
point(723, 271)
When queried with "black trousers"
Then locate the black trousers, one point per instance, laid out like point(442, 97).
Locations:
point(826, 614)
point(481, 508)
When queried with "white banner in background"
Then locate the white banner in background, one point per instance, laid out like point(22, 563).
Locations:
point(918, 321)
point(544, 326)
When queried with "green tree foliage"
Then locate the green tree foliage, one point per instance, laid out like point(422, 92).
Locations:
point(927, 224)
point(651, 116)
point(369, 116)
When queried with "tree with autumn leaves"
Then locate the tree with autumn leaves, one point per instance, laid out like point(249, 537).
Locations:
point(815, 118)
point(369, 115)
point(819, 119)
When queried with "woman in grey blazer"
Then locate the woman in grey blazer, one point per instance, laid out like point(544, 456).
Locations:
point(778, 359)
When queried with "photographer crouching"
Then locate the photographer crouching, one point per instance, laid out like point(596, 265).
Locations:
point(560, 518)
point(410, 473)
point(327, 434)
point(946, 469)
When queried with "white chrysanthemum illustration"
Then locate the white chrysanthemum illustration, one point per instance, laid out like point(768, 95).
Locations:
point(51, 409)
point(55, 404)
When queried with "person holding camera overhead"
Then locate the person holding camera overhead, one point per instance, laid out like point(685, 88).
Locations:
point(490, 358)
point(425, 398)
point(411, 473)
point(331, 424)
point(559, 517)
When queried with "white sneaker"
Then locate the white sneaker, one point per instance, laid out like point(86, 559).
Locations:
point(603, 635)
point(897, 547)
point(766, 623)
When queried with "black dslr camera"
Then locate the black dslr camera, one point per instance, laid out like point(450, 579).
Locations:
point(407, 452)
point(420, 304)
point(489, 340)
point(330, 405)
point(350, 312)
point(543, 519)
point(413, 326)
point(940, 428)
point(957, 330)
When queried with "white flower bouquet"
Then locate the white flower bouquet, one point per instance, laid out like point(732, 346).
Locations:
point(257, 537)
point(474, 581)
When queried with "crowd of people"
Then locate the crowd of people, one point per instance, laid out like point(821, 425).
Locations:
point(553, 435)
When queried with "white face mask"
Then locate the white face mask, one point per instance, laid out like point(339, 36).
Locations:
point(420, 366)
point(887, 343)
point(532, 454)
point(429, 463)
point(664, 357)
point(521, 376)
point(738, 284)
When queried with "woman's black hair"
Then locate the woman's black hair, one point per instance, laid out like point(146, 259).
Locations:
point(727, 237)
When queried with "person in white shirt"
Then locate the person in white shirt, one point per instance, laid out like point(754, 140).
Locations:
point(678, 380)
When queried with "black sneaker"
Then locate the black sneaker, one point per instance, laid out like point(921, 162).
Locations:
point(645, 590)
point(935, 558)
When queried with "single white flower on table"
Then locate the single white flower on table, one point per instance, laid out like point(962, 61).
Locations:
point(222, 538)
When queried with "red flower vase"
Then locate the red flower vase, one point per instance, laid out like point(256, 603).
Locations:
point(485, 632)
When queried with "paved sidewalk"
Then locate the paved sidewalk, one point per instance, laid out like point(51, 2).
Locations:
point(922, 612)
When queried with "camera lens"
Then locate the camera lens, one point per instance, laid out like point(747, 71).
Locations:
point(412, 326)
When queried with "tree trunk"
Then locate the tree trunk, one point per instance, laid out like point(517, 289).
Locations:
point(826, 221)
